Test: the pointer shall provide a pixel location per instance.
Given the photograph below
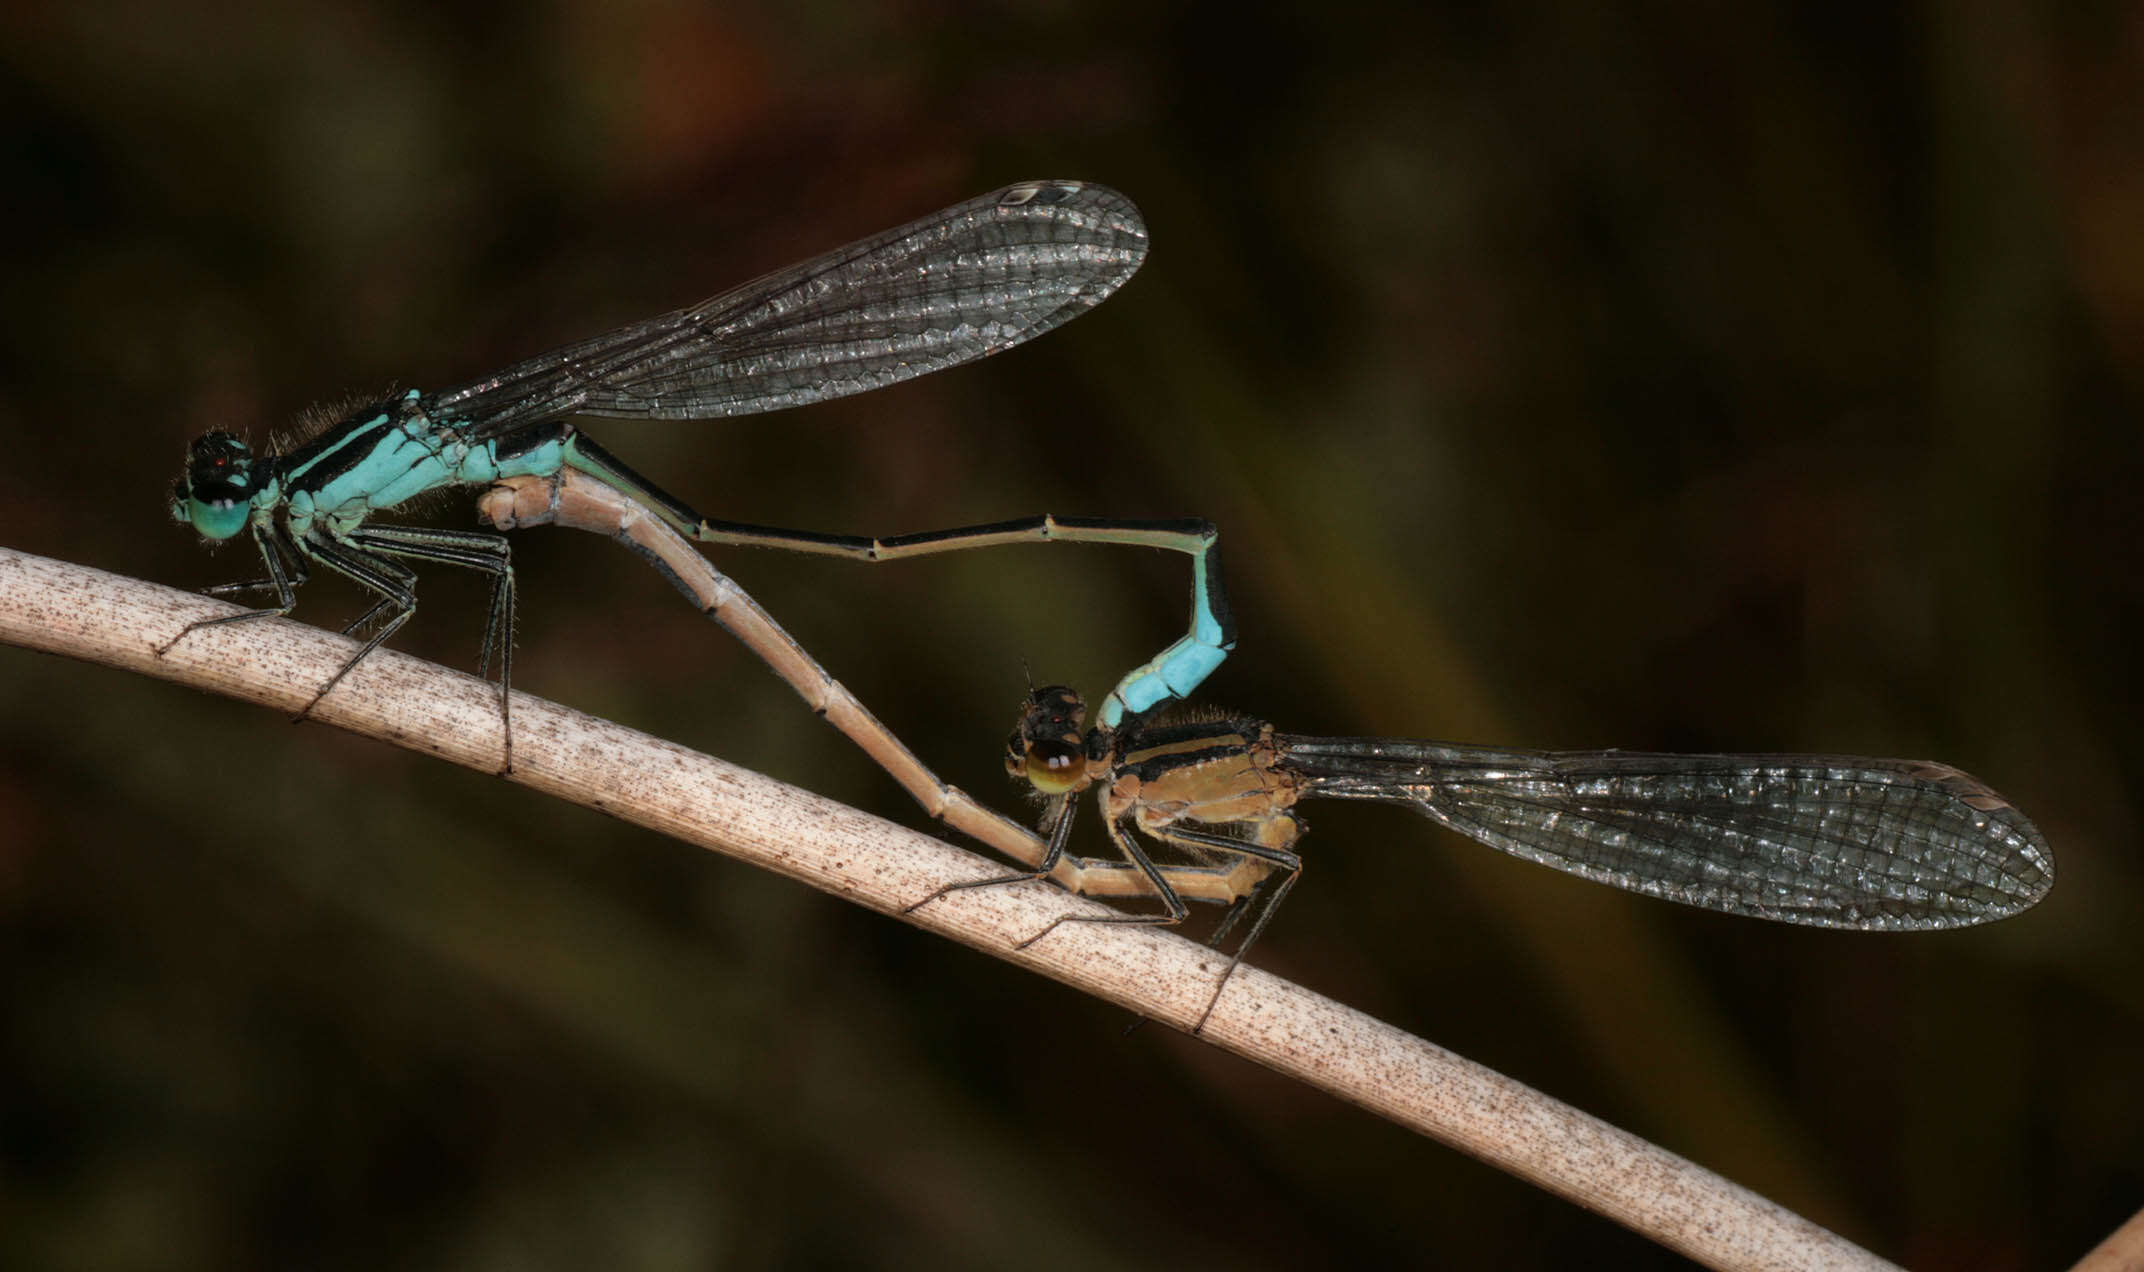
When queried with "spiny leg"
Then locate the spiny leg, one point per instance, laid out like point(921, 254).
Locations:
point(1177, 911)
point(1288, 867)
point(472, 550)
point(394, 584)
point(275, 535)
point(285, 577)
point(1060, 832)
point(362, 557)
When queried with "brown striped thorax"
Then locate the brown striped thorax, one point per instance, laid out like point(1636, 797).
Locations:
point(1224, 772)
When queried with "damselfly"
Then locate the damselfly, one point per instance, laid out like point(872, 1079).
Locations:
point(972, 280)
point(1823, 840)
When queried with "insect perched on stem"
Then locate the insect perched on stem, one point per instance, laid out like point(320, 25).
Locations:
point(961, 284)
point(1821, 840)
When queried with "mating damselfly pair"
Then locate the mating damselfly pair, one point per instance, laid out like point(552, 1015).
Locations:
point(1830, 841)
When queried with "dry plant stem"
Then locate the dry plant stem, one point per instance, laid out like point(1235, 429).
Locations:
point(82, 613)
point(2122, 1251)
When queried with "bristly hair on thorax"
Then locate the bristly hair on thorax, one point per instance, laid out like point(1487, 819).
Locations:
point(1180, 711)
point(319, 417)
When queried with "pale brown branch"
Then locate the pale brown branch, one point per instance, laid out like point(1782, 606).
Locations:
point(2122, 1251)
point(81, 613)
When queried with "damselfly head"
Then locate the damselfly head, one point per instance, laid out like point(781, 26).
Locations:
point(1046, 748)
point(216, 495)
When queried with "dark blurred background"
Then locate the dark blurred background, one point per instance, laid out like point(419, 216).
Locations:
point(1665, 376)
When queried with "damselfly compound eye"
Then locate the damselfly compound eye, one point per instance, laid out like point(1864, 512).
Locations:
point(1055, 767)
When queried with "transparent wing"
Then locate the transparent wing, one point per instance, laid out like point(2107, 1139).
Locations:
point(1830, 841)
point(972, 280)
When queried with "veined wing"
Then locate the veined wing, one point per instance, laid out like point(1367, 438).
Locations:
point(972, 280)
point(1830, 841)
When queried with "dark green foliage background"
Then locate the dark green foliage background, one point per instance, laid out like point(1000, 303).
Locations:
point(1666, 376)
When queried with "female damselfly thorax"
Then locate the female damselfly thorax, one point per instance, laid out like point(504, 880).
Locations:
point(1821, 840)
point(972, 280)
